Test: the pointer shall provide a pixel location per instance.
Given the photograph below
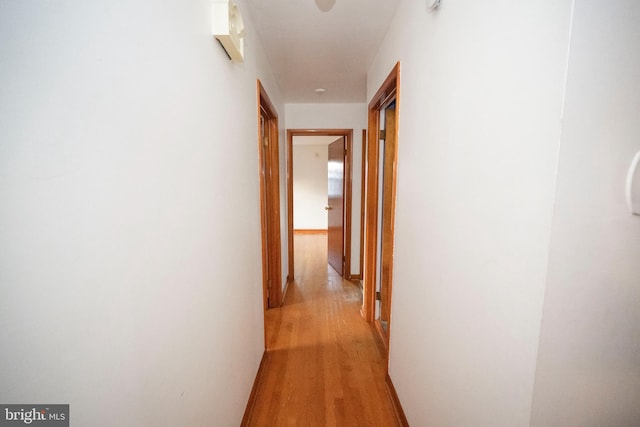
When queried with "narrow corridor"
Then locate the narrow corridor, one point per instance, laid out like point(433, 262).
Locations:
point(324, 366)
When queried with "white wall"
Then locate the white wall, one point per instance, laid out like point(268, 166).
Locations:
point(589, 361)
point(130, 283)
point(479, 119)
point(310, 186)
point(512, 160)
point(337, 116)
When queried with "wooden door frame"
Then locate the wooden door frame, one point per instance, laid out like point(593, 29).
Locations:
point(389, 92)
point(270, 215)
point(348, 160)
point(363, 184)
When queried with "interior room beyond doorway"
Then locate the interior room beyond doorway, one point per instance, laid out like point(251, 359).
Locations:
point(319, 163)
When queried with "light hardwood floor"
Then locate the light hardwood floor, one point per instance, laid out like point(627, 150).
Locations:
point(323, 366)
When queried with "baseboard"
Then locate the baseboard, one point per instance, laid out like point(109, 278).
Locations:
point(307, 231)
point(355, 277)
point(248, 412)
point(381, 338)
point(286, 288)
point(397, 406)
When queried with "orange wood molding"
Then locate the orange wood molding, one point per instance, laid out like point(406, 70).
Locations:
point(382, 335)
point(254, 391)
point(269, 199)
point(397, 406)
point(386, 94)
point(363, 191)
point(286, 288)
point(310, 231)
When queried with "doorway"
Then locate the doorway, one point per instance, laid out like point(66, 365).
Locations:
point(343, 158)
point(269, 200)
point(381, 180)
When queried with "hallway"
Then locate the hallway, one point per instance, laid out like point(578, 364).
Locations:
point(324, 366)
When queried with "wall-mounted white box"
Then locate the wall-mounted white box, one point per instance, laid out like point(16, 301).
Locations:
point(228, 28)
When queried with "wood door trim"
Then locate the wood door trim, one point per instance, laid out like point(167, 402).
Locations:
point(348, 137)
point(387, 93)
point(270, 215)
point(289, 177)
point(388, 218)
point(310, 231)
point(363, 181)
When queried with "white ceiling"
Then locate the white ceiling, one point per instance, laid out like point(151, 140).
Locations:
point(308, 48)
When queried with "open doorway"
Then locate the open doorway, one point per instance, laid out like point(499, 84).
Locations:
point(381, 176)
point(269, 199)
point(338, 203)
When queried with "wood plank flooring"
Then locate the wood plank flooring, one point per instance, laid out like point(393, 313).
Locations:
point(323, 366)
